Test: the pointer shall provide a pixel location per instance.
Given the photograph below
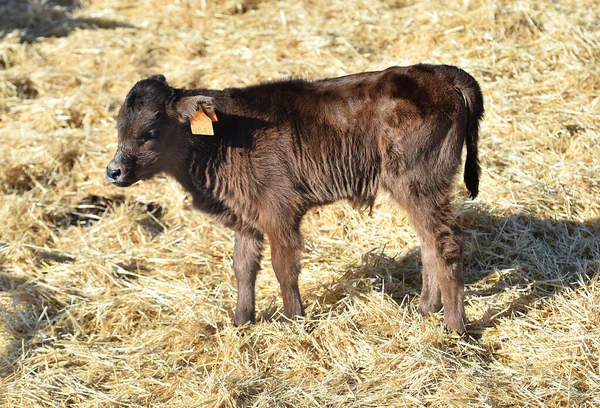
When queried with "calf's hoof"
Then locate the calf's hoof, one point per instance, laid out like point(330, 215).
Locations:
point(242, 318)
point(457, 325)
point(427, 307)
point(293, 311)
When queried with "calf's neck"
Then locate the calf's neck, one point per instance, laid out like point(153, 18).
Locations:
point(282, 148)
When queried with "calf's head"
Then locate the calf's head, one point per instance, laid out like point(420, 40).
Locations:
point(154, 130)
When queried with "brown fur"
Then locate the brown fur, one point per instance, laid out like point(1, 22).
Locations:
point(282, 148)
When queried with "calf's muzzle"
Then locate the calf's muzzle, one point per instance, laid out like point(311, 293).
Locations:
point(115, 173)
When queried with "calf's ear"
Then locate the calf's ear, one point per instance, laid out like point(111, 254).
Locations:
point(187, 107)
point(158, 77)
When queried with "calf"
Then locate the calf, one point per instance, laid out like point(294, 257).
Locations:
point(281, 148)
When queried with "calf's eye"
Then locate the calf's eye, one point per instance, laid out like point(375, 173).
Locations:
point(148, 136)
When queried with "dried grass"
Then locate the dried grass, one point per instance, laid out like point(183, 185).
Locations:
point(124, 297)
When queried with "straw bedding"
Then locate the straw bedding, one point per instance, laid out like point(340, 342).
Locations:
point(116, 297)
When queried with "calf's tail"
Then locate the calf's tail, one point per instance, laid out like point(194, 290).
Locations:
point(468, 87)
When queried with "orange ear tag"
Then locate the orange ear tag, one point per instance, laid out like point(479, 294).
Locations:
point(202, 124)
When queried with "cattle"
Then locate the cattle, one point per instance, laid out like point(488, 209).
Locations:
point(258, 158)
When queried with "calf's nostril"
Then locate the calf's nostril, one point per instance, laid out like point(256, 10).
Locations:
point(113, 172)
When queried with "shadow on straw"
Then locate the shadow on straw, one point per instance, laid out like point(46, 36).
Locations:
point(535, 258)
point(37, 19)
point(26, 308)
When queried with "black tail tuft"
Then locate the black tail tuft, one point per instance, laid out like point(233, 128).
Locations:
point(469, 89)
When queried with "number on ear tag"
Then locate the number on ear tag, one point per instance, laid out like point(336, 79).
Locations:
point(202, 124)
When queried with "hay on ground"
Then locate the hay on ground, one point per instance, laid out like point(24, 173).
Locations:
point(116, 297)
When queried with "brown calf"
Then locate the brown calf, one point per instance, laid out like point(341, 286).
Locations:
point(282, 148)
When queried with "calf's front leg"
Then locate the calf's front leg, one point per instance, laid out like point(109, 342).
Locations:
point(247, 253)
point(286, 251)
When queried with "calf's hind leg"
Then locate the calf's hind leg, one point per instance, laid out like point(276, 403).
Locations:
point(431, 296)
point(442, 255)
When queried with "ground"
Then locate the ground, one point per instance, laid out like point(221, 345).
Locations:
point(124, 297)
